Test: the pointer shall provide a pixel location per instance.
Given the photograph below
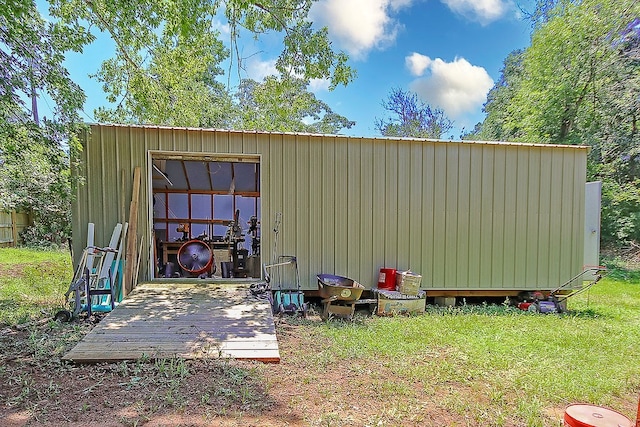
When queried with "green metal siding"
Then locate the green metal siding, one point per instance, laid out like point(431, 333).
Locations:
point(467, 216)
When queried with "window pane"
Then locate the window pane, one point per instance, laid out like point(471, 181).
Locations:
point(178, 206)
point(160, 229)
point(173, 233)
point(198, 229)
point(220, 175)
point(223, 206)
point(245, 175)
point(219, 231)
point(247, 206)
point(201, 206)
point(159, 205)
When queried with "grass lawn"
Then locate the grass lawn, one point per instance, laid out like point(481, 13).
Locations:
point(32, 282)
point(481, 365)
point(494, 363)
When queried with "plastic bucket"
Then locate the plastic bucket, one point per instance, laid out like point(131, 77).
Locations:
point(579, 415)
point(387, 279)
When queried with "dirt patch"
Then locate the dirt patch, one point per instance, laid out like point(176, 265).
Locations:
point(12, 270)
point(303, 390)
point(628, 255)
point(18, 270)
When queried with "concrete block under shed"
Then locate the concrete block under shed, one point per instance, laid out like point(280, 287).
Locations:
point(445, 301)
point(393, 302)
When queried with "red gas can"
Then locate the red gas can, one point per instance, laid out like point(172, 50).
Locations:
point(387, 279)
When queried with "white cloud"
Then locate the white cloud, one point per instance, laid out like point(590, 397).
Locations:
point(417, 63)
point(258, 70)
point(483, 11)
point(458, 87)
point(222, 27)
point(319, 85)
point(359, 25)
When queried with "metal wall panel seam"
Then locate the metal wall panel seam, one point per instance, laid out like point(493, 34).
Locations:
point(367, 261)
point(439, 208)
point(544, 220)
point(509, 234)
point(475, 216)
point(486, 215)
point(402, 203)
point(353, 206)
point(497, 278)
point(415, 210)
point(533, 208)
point(340, 211)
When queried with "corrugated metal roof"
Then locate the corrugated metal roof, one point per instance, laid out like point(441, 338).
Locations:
point(383, 138)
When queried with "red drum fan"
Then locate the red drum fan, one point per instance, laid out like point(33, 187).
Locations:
point(195, 257)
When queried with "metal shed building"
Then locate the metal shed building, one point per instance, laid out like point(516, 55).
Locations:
point(474, 218)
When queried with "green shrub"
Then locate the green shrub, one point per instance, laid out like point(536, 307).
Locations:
point(620, 221)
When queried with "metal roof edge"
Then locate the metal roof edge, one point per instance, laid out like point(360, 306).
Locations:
point(382, 138)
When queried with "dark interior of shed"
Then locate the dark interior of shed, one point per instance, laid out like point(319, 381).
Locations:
point(206, 216)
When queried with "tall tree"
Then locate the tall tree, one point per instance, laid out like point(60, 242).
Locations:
point(34, 150)
point(176, 85)
point(168, 54)
point(285, 105)
point(499, 98)
point(577, 84)
point(411, 117)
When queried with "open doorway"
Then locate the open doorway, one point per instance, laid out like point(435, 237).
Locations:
point(206, 216)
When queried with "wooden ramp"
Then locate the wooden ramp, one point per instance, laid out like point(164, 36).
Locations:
point(187, 320)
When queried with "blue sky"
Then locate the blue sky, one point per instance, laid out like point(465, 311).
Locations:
point(449, 52)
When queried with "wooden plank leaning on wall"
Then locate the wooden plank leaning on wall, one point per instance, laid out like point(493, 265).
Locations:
point(132, 237)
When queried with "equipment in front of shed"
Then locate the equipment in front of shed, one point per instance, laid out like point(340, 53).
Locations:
point(339, 295)
point(555, 301)
point(404, 281)
point(284, 281)
point(399, 292)
point(97, 281)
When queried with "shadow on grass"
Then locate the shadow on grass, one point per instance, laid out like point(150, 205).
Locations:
point(587, 313)
point(15, 313)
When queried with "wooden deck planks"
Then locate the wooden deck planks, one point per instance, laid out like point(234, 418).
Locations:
point(187, 320)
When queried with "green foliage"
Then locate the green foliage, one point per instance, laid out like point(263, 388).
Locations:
point(577, 84)
point(285, 105)
point(499, 98)
point(34, 152)
point(35, 178)
point(32, 281)
point(588, 354)
point(168, 57)
point(620, 214)
point(307, 51)
point(175, 85)
point(412, 117)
